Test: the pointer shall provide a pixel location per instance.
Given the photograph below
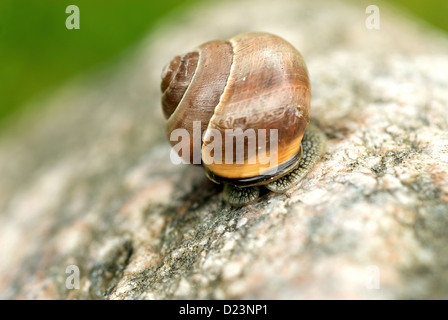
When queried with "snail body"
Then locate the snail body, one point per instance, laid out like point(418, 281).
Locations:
point(253, 83)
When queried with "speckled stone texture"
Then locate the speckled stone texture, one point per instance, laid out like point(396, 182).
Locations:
point(88, 182)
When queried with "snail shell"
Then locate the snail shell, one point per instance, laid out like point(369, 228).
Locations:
point(251, 81)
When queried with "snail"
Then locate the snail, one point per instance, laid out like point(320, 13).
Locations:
point(253, 88)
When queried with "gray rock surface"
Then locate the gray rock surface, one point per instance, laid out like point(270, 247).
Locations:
point(88, 181)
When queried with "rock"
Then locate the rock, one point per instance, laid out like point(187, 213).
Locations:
point(88, 183)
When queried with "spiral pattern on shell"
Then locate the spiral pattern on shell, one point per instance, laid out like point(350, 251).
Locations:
point(251, 81)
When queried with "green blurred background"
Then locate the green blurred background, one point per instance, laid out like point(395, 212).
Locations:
point(38, 54)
